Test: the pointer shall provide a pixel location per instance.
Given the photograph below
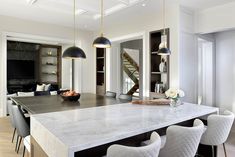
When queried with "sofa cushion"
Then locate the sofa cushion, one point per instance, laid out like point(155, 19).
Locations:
point(40, 87)
point(25, 94)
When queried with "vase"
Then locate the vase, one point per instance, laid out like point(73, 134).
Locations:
point(175, 102)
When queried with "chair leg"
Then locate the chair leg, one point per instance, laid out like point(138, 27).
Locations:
point(16, 143)
point(213, 152)
point(13, 135)
point(23, 151)
point(225, 152)
point(19, 145)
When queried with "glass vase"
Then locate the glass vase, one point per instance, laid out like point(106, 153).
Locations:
point(175, 102)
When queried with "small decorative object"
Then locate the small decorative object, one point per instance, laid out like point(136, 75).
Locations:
point(162, 65)
point(49, 53)
point(159, 87)
point(152, 102)
point(70, 96)
point(174, 95)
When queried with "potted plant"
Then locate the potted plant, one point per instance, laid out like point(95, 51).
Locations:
point(174, 95)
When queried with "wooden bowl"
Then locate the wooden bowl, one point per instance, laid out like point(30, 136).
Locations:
point(70, 98)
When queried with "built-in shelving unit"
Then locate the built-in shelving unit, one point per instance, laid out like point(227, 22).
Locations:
point(50, 61)
point(157, 76)
point(100, 71)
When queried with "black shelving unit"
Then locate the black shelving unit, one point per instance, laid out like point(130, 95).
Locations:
point(100, 71)
point(155, 75)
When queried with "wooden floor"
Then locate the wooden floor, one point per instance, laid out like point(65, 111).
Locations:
point(230, 145)
point(7, 149)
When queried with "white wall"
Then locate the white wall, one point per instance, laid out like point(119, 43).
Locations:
point(225, 70)
point(152, 21)
point(188, 56)
point(215, 19)
point(49, 32)
point(113, 66)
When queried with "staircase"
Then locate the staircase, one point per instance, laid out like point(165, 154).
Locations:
point(131, 68)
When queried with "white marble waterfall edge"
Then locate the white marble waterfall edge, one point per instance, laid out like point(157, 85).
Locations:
point(75, 130)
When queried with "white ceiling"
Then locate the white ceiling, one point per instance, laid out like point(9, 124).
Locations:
point(60, 11)
point(203, 4)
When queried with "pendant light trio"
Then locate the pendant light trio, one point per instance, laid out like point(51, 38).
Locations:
point(102, 42)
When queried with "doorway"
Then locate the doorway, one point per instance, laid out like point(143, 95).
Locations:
point(124, 63)
point(206, 71)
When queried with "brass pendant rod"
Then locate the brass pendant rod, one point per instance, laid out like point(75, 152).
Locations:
point(164, 18)
point(102, 17)
point(74, 22)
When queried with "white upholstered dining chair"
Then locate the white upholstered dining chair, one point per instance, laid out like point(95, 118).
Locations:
point(151, 150)
point(217, 130)
point(182, 141)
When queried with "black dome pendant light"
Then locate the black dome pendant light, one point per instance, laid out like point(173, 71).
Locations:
point(163, 50)
point(74, 52)
point(102, 42)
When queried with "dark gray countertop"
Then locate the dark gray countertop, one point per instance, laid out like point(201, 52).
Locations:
point(45, 104)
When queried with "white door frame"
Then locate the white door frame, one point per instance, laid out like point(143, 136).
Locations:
point(3, 58)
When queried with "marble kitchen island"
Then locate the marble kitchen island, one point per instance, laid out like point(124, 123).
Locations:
point(66, 133)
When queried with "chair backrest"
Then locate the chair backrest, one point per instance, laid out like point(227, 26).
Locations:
point(9, 104)
point(110, 94)
point(182, 141)
point(41, 93)
point(125, 97)
point(218, 128)
point(151, 150)
point(21, 125)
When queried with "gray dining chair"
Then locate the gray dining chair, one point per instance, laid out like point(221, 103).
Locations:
point(9, 104)
point(21, 124)
point(125, 97)
point(110, 94)
point(151, 150)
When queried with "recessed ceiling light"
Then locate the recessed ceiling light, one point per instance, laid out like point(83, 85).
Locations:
point(80, 11)
point(31, 1)
point(143, 5)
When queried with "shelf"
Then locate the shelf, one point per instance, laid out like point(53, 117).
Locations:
point(154, 53)
point(49, 55)
point(45, 73)
point(100, 71)
point(22, 50)
point(100, 57)
point(155, 73)
point(49, 64)
point(49, 82)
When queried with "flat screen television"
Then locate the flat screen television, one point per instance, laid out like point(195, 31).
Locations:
point(20, 69)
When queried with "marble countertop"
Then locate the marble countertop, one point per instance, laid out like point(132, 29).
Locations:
point(63, 133)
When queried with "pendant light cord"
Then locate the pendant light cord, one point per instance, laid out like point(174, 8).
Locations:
point(74, 22)
point(102, 17)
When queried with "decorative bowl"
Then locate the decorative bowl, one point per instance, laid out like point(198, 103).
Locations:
point(70, 98)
